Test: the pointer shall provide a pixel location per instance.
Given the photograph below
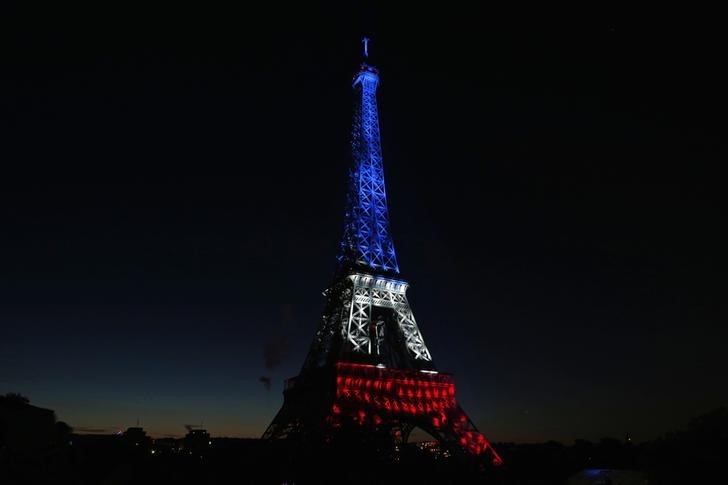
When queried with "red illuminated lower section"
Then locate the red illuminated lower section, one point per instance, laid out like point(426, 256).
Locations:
point(371, 394)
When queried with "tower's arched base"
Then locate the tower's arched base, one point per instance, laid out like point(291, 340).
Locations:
point(357, 403)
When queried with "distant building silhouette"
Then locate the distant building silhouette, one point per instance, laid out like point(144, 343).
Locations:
point(136, 437)
point(167, 446)
point(197, 441)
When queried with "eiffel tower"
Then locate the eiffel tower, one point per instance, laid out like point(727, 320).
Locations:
point(368, 363)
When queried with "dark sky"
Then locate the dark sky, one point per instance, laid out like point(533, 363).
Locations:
point(173, 188)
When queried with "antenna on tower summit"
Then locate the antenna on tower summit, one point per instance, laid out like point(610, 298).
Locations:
point(365, 40)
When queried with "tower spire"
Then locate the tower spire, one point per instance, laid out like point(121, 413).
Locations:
point(367, 243)
point(365, 40)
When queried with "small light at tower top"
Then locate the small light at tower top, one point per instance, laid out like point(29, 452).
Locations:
point(365, 40)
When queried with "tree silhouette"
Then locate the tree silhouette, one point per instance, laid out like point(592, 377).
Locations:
point(15, 398)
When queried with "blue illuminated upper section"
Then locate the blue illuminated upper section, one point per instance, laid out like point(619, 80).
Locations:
point(367, 240)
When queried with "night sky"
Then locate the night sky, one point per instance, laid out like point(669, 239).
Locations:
point(172, 198)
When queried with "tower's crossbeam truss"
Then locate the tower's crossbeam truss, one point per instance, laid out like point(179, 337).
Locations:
point(348, 328)
point(370, 292)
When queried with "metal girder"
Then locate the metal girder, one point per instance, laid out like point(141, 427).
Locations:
point(348, 327)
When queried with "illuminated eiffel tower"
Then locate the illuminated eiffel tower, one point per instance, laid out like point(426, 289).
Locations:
point(368, 363)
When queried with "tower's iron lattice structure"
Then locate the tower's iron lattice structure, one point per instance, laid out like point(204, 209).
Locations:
point(368, 363)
